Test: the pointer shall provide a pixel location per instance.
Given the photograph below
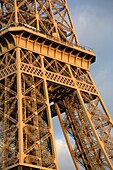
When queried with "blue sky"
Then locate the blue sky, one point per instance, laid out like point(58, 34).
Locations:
point(93, 22)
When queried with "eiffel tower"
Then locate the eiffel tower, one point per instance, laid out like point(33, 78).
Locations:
point(44, 73)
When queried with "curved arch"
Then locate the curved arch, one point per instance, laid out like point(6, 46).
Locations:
point(4, 44)
point(1, 49)
point(10, 39)
point(7, 42)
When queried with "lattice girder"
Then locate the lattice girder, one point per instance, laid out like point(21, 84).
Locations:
point(86, 148)
point(8, 122)
point(41, 66)
point(49, 17)
point(37, 133)
point(31, 71)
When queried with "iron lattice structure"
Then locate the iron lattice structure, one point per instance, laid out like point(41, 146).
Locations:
point(45, 73)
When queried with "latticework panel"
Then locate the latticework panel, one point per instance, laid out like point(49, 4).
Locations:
point(25, 126)
point(87, 127)
point(48, 17)
point(8, 110)
point(31, 81)
point(38, 149)
point(86, 117)
point(8, 122)
point(45, 73)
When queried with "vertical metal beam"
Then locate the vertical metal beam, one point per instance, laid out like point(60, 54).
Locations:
point(54, 22)
point(19, 97)
point(5, 124)
point(16, 10)
point(49, 114)
point(36, 14)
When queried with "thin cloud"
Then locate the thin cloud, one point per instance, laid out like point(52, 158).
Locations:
point(65, 161)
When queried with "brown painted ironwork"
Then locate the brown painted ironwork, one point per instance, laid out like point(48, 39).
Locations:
point(45, 73)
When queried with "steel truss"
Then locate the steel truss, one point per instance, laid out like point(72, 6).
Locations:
point(42, 75)
point(49, 17)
